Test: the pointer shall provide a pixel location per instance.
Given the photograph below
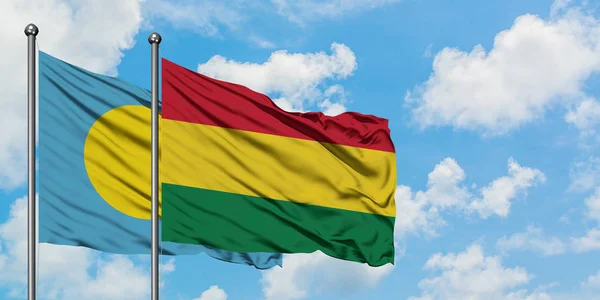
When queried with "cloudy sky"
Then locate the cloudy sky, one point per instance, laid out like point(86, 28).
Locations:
point(493, 106)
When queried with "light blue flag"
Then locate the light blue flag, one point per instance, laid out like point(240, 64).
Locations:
point(94, 166)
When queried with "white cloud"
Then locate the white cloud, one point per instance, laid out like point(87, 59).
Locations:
point(592, 283)
point(565, 218)
point(293, 79)
point(472, 275)
point(533, 66)
point(587, 243)
point(203, 17)
point(331, 109)
point(333, 104)
point(585, 175)
point(586, 116)
point(497, 195)
point(213, 293)
point(420, 211)
point(306, 274)
point(427, 53)
point(524, 295)
point(261, 42)
point(443, 188)
point(116, 279)
point(414, 214)
point(210, 17)
point(532, 239)
point(593, 205)
point(65, 272)
point(91, 34)
point(213, 17)
point(588, 290)
point(559, 6)
point(308, 10)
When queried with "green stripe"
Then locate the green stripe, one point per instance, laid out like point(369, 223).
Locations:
point(252, 224)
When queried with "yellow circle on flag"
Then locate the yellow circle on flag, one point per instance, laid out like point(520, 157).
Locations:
point(117, 158)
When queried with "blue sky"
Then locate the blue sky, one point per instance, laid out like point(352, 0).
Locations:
point(493, 109)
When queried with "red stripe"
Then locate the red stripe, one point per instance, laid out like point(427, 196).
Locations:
point(192, 97)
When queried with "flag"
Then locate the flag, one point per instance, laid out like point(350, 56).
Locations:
point(238, 173)
point(95, 166)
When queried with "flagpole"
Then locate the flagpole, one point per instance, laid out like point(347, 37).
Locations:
point(31, 32)
point(154, 39)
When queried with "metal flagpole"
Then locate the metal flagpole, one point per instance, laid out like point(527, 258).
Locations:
point(31, 32)
point(154, 40)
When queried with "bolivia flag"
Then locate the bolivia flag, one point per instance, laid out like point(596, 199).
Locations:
point(240, 174)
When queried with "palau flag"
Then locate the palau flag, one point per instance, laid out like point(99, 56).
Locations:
point(95, 166)
point(240, 174)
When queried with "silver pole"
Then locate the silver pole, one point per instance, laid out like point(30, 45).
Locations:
point(31, 32)
point(154, 40)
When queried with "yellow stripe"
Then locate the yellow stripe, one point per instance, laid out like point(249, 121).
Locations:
point(276, 167)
